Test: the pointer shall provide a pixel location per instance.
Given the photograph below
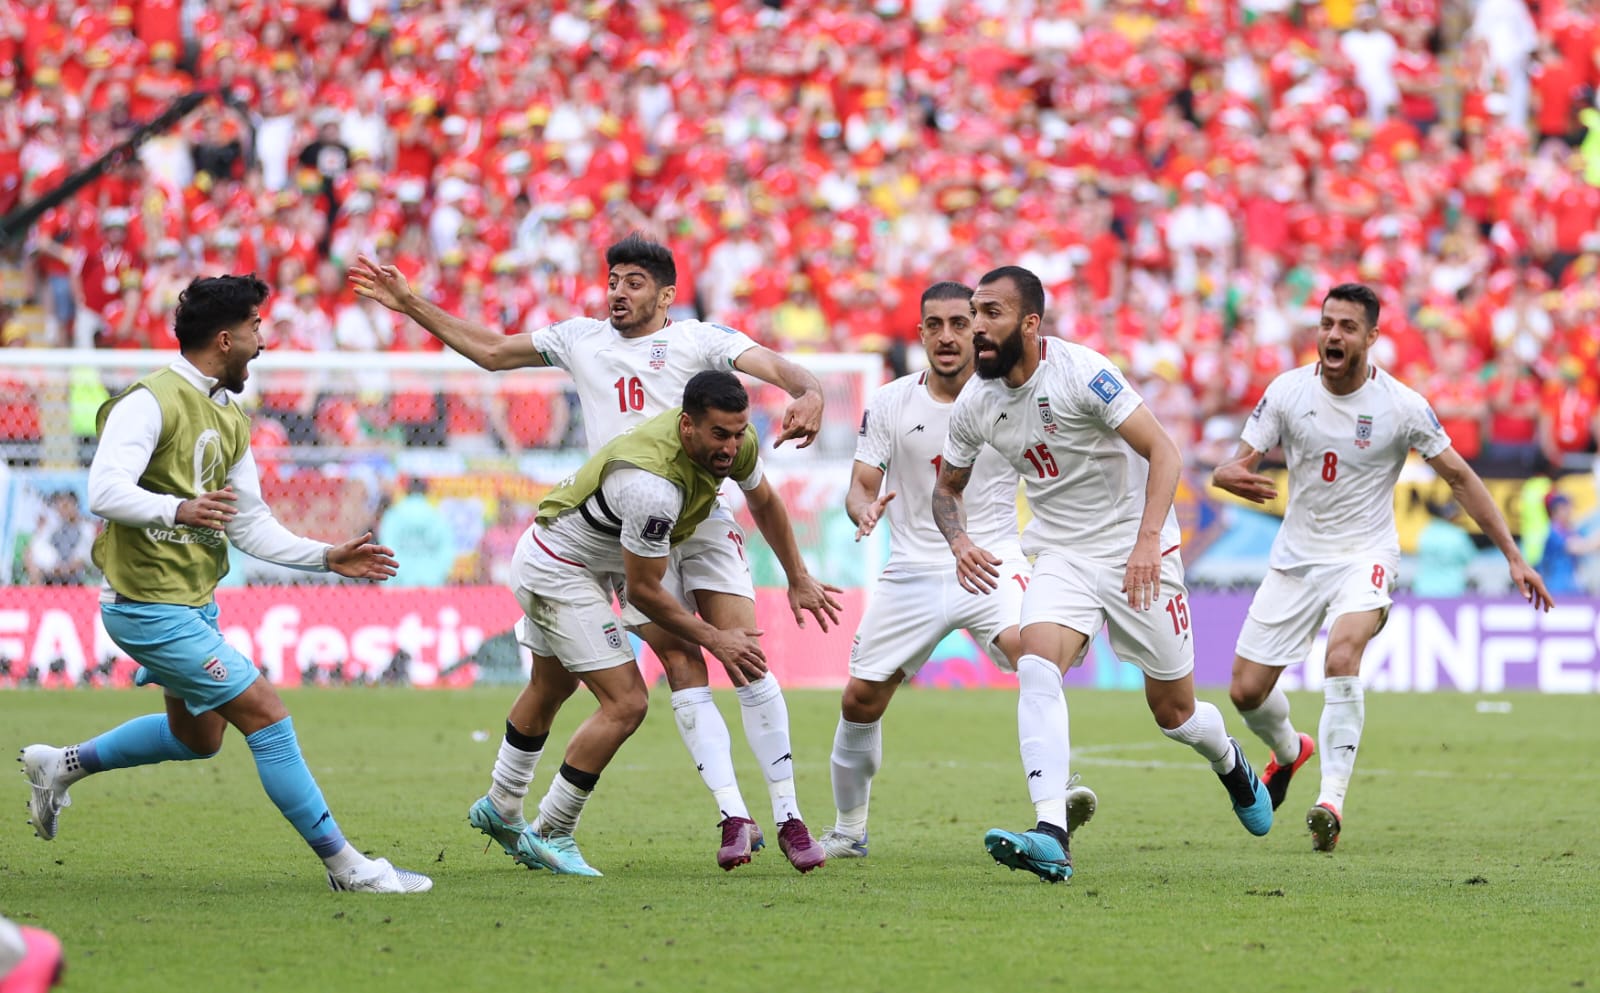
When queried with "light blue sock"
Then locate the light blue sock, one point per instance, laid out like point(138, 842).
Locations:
point(288, 783)
point(142, 741)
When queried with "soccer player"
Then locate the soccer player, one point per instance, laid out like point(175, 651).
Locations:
point(639, 495)
point(1100, 473)
point(175, 480)
point(627, 368)
point(1346, 428)
point(918, 600)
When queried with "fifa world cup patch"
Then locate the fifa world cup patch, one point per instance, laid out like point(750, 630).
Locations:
point(1105, 385)
point(656, 528)
point(613, 634)
point(215, 668)
point(658, 355)
point(1364, 431)
point(1047, 417)
point(863, 431)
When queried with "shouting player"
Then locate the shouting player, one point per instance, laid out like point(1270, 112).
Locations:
point(1346, 428)
point(628, 368)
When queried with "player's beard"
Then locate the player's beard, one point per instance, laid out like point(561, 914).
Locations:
point(232, 380)
point(636, 318)
point(1006, 355)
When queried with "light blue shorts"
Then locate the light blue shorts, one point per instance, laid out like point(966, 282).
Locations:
point(180, 649)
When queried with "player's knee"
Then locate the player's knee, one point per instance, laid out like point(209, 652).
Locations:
point(863, 703)
point(1170, 714)
point(628, 712)
point(205, 742)
point(1246, 696)
point(685, 667)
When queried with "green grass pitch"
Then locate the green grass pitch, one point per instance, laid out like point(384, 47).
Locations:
point(1469, 860)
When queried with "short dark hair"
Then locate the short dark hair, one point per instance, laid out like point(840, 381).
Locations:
point(212, 303)
point(1356, 293)
point(1028, 287)
point(654, 258)
point(717, 390)
point(948, 289)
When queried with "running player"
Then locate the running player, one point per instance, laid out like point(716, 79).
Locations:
point(175, 480)
point(639, 495)
point(917, 600)
point(1346, 429)
point(626, 369)
point(1100, 473)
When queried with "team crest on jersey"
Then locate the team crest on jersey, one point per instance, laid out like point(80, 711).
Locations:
point(1046, 417)
point(1364, 431)
point(215, 668)
point(1105, 385)
point(613, 634)
point(658, 355)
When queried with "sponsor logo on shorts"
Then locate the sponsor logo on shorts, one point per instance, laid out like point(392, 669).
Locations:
point(656, 528)
point(215, 668)
point(613, 634)
point(658, 354)
point(1364, 431)
point(1105, 385)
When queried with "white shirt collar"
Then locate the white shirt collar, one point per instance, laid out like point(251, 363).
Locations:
point(209, 385)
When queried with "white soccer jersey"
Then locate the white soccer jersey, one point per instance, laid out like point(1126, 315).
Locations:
point(1344, 456)
point(1058, 430)
point(903, 432)
point(623, 382)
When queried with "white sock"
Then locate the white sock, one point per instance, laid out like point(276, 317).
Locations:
point(513, 771)
point(1270, 722)
point(12, 948)
point(766, 727)
point(1206, 733)
point(1344, 711)
point(705, 734)
point(857, 756)
point(345, 858)
point(560, 809)
point(1044, 734)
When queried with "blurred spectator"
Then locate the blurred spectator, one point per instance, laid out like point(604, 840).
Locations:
point(421, 537)
point(1221, 164)
point(59, 554)
point(1444, 550)
point(1564, 548)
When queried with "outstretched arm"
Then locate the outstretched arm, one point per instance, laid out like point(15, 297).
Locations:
point(1476, 500)
point(976, 569)
point(488, 348)
point(803, 417)
point(806, 593)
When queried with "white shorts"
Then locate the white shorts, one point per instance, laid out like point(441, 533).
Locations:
point(910, 614)
point(1292, 604)
point(710, 559)
point(568, 609)
point(1084, 594)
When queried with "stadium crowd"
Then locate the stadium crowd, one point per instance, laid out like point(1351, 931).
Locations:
point(1187, 176)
